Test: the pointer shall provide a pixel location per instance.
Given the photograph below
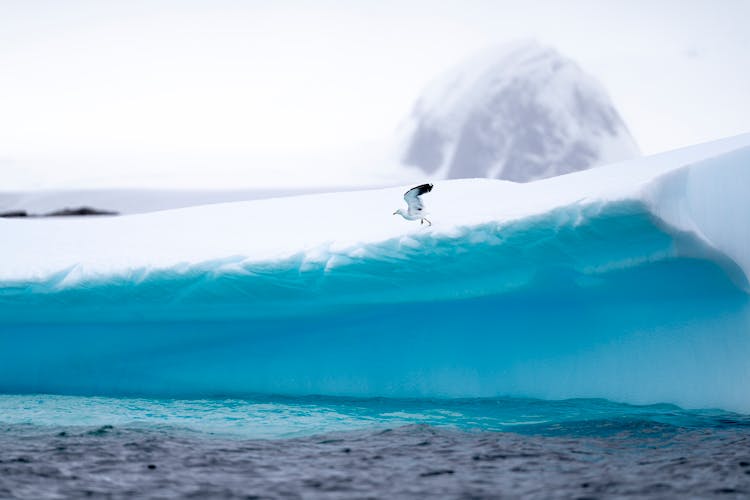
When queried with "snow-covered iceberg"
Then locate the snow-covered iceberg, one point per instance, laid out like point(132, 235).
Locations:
point(628, 282)
point(519, 112)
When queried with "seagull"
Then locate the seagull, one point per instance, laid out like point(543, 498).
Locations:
point(416, 207)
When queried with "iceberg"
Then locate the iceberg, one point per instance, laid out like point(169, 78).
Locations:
point(627, 282)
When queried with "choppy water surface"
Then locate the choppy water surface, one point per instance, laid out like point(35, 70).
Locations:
point(56, 447)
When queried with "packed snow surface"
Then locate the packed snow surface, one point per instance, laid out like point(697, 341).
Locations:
point(520, 112)
point(628, 282)
point(706, 198)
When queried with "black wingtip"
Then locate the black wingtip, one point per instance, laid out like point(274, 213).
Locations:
point(424, 188)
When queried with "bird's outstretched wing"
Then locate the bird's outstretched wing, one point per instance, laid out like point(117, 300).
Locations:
point(413, 199)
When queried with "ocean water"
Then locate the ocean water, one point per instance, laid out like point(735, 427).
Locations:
point(323, 447)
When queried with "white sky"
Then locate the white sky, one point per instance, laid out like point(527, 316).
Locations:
point(117, 90)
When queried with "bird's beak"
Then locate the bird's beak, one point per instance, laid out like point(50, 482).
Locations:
point(394, 213)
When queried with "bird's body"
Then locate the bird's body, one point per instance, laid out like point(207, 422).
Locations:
point(415, 210)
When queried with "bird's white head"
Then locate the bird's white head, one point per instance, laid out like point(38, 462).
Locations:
point(400, 212)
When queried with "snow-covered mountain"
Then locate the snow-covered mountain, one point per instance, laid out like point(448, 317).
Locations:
point(520, 112)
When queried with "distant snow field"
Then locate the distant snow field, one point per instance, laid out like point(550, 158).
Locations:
point(518, 112)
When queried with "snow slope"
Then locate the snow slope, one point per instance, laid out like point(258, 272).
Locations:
point(520, 112)
point(327, 226)
point(628, 282)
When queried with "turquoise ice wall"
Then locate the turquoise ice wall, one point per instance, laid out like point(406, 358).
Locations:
point(598, 300)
